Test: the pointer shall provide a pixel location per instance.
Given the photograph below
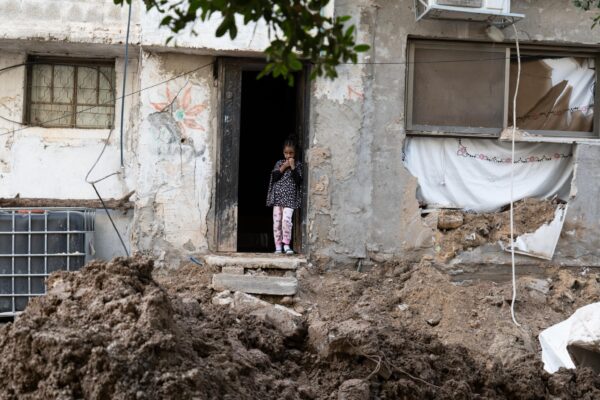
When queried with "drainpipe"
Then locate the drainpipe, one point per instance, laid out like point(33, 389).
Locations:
point(125, 81)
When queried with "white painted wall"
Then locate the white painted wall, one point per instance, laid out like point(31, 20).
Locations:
point(250, 38)
point(53, 162)
point(101, 22)
point(90, 21)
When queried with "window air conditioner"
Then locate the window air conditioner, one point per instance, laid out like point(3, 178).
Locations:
point(494, 12)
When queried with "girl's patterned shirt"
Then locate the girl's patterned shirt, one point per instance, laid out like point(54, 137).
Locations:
point(285, 189)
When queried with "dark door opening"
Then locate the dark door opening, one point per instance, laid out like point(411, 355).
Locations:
point(268, 117)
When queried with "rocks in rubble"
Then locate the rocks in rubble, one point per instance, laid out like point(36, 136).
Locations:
point(539, 285)
point(495, 300)
point(327, 339)
point(287, 301)
point(223, 298)
point(287, 321)
point(434, 321)
point(354, 389)
point(450, 219)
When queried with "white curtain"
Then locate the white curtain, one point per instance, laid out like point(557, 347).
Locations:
point(474, 174)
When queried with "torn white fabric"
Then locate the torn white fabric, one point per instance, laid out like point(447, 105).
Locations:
point(553, 341)
point(574, 341)
point(474, 174)
point(580, 75)
point(543, 241)
point(555, 94)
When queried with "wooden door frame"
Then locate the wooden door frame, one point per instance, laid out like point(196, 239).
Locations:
point(229, 78)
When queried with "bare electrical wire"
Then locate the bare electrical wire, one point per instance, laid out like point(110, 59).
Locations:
point(93, 183)
point(12, 131)
point(512, 174)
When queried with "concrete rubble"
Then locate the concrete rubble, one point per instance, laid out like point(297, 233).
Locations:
point(290, 323)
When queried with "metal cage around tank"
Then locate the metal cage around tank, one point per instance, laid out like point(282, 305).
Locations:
point(36, 242)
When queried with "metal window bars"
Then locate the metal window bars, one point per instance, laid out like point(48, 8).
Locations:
point(36, 242)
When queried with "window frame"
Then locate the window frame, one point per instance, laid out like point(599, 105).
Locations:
point(93, 63)
point(510, 50)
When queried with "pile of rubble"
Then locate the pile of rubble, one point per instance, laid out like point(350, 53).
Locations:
point(115, 331)
point(459, 230)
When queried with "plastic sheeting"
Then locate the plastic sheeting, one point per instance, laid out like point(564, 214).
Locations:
point(574, 341)
point(474, 174)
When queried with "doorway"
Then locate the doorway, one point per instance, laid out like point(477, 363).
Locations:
point(257, 115)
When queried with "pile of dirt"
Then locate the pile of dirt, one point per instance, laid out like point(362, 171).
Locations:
point(111, 332)
point(114, 331)
point(460, 230)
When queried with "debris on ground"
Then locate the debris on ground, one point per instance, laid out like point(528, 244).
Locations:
point(461, 230)
point(114, 330)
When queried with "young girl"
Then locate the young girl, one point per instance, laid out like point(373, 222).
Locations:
point(285, 195)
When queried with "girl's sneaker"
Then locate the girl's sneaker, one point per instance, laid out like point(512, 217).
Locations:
point(287, 249)
point(278, 251)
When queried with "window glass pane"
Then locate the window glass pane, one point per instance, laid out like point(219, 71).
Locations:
point(58, 115)
point(63, 84)
point(107, 84)
point(554, 94)
point(87, 85)
point(96, 117)
point(41, 80)
point(462, 87)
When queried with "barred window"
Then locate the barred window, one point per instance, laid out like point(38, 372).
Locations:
point(71, 93)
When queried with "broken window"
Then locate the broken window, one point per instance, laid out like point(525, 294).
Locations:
point(70, 93)
point(556, 94)
point(468, 88)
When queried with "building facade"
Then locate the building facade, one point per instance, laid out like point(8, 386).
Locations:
point(201, 133)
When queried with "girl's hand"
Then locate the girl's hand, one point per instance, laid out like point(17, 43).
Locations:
point(291, 162)
point(284, 166)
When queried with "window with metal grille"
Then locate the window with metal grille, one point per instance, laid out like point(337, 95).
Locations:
point(70, 93)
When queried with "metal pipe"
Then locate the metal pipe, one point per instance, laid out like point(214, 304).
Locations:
point(125, 80)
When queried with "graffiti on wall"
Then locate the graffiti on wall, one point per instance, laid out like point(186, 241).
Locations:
point(180, 104)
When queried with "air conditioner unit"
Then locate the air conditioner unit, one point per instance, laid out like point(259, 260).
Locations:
point(35, 243)
point(493, 12)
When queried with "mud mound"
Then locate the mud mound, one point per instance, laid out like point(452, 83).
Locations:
point(112, 332)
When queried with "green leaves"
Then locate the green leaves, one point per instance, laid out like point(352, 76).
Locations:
point(361, 48)
point(587, 5)
point(299, 33)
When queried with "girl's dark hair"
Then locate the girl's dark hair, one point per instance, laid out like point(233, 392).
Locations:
point(290, 142)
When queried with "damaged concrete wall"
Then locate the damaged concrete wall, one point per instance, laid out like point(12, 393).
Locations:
point(104, 24)
point(175, 155)
point(580, 237)
point(53, 162)
point(362, 202)
point(90, 21)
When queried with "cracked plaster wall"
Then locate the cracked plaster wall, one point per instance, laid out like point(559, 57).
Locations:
point(52, 162)
point(175, 157)
point(103, 25)
point(362, 199)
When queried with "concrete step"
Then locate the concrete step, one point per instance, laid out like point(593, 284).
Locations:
point(255, 261)
point(255, 284)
